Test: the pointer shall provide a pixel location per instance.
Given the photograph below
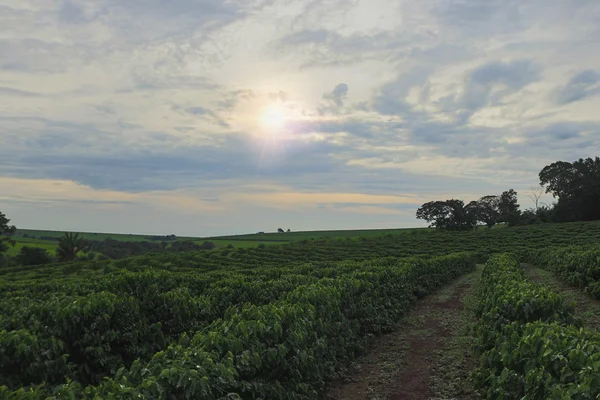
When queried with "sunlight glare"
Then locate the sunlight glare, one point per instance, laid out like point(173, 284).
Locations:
point(274, 118)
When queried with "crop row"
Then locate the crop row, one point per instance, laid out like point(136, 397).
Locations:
point(577, 266)
point(426, 242)
point(237, 337)
point(529, 343)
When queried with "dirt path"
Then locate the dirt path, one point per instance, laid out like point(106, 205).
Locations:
point(587, 308)
point(427, 357)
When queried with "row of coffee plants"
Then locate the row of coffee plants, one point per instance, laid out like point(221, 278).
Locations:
point(529, 343)
point(270, 333)
point(580, 267)
point(429, 242)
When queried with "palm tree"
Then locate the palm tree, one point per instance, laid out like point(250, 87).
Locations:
point(68, 246)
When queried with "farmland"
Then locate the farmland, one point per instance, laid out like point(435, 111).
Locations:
point(32, 237)
point(286, 321)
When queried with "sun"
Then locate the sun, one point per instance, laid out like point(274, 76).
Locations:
point(274, 118)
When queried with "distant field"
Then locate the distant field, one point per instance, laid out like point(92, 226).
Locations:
point(22, 242)
point(238, 241)
point(295, 236)
point(244, 241)
point(85, 235)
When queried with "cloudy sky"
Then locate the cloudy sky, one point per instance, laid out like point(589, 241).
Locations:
point(201, 117)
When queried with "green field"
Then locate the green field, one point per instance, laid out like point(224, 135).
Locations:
point(237, 241)
point(22, 242)
point(266, 321)
point(85, 235)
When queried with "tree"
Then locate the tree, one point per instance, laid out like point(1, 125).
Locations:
point(535, 194)
point(68, 246)
point(577, 187)
point(449, 214)
point(279, 230)
point(6, 231)
point(487, 211)
point(33, 256)
point(508, 207)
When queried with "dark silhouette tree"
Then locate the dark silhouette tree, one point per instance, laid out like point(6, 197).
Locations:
point(577, 187)
point(508, 207)
point(6, 231)
point(33, 256)
point(279, 230)
point(449, 214)
point(543, 214)
point(487, 210)
point(68, 246)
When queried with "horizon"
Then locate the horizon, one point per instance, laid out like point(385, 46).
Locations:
point(239, 116)
point(266, 232)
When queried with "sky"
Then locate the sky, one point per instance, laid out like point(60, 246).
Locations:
point(211, 117)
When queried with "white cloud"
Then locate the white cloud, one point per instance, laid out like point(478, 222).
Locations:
point(156, 105)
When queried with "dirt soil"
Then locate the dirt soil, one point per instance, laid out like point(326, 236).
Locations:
point(427, 357)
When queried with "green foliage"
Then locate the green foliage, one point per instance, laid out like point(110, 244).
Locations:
point(68, 246)
point(6, 231)
point(487, 210)
point(577, 187)
point(528, 342)
point(276, 322)
point(258, 333)
point(577, 266)
point(33, 256)
point(508, 208)
point(449, 214)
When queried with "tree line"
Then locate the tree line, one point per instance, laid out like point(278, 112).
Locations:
point(574, 186)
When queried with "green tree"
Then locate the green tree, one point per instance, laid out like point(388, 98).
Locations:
point(450, 214)
point(508, 207)
point(6, 231)
point(33, 256)
point(577, 187)
point(68, 246)
point(487, 210)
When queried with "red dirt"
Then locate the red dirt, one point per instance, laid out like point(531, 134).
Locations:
point(417, 342)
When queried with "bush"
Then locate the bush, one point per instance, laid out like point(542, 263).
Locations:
point(576, 266)
point(280, 338)
point(528, 342)
point(33, 256)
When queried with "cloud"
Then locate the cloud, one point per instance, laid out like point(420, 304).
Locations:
point(141, 109)
point(232, 98)
point(581, 85)
point(334, 100)
point(338, 94)
point(489, 84)
point(324, 47)
point(391, 98)
point(204, 112)
point(279, 96)
point(16, 92)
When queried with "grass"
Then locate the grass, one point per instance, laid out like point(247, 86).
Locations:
point(453, 364)
point(14, 250)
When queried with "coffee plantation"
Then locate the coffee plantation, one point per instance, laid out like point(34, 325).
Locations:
point(282, 322)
